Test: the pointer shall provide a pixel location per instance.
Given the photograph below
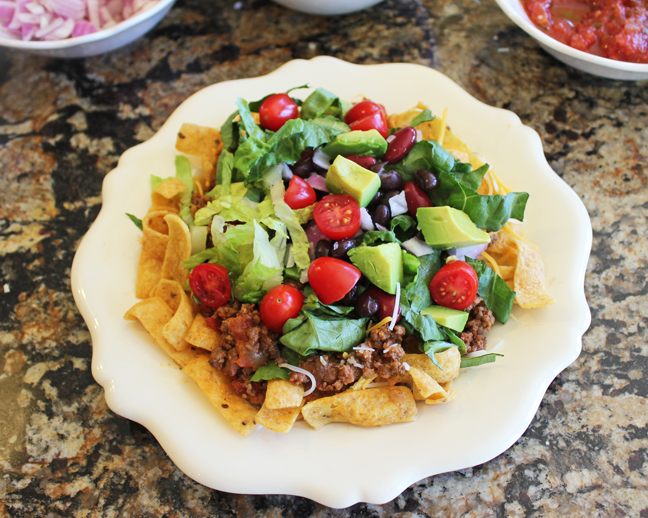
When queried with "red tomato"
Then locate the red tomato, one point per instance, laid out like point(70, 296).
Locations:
point(362, 161)
point(455, 285)
point(331, 279)
point(337, 216)
point(276, 110)
point(299, 194)
point(367, 115)
point(415, 197)
point(280, 304)
point(386, 303)
point(210, 284)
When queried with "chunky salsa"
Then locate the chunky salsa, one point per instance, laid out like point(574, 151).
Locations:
point(615, 29)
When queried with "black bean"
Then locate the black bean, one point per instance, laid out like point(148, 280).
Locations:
point(425, 179)
point(378, 167)
point(303, 169)
point(350, 297)
point(375, 200)
point(323, 248)
point(390, 180)
point(341, 247)
point(382, 215)
point(366, 305)
point(389, 195)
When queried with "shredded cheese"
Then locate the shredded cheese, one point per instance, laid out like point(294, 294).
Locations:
point(492, 263)
point(322, 360)
point(302, 371)
point(363, 347)
point(389, 348)
point(379, 324)
point(396, 307)
point(406, 365)
point(443, 125)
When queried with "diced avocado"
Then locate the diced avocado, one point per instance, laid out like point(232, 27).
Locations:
point(452, 318)
point(346, 177)
point(361, 143)
point(445, 228)
point(382, 264)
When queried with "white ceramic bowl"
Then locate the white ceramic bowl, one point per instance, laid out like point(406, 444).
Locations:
point(328, 7)
point(97, 43)
point(498, 400)
point(589, 63)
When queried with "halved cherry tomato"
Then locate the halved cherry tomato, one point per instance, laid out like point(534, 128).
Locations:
point(210, 284)
point(280, 304)
point(386, 303)
point(299, 194)
point(362, 161)
point(415, 197)
point(455, 285)
point(367, 115)
point(337, 216)
point(276, 110)
point(331, 279)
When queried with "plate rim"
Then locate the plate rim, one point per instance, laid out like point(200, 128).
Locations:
point(393, 487)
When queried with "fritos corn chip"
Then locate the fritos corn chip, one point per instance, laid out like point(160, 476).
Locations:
point(201, 335)
point(183, 315)
point(178, 249)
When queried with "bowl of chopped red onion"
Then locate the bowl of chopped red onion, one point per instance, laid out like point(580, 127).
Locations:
point(77, 28)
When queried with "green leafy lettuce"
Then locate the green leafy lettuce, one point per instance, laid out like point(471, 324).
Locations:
point(498, 297)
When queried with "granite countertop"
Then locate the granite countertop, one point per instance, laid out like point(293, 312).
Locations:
point(63, 126)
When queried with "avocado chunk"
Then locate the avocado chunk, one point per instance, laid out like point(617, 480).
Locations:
point(452, 318)
point(346, 177)
point(382, 264)
point(362, 143)
point(445, 228)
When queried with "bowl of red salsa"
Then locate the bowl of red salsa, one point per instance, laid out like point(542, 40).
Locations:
point(607, 38)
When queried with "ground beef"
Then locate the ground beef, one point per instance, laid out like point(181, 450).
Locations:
point(479, 322)
point(379, 355)
point(245, 345)
point(198, 201)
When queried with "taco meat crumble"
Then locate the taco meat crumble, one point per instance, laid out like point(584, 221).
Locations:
point(479, 322)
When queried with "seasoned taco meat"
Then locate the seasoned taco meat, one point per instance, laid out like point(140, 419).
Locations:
point(379, 355)
point(479, 322)
point(245, 345)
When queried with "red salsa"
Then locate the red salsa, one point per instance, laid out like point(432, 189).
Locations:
point(615, 29)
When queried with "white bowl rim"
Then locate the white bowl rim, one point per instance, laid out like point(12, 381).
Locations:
point(529, 27)
point(8, 40)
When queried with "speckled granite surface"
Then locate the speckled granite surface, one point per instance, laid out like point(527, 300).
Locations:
point(63, 126)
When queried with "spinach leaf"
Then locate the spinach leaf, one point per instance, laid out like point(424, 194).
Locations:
point(435, 346)
point(321, 102)
point(479, 360)
point(372, 236)
point(332, 125)
point(403, 226)
point(424, 116)
point(453, 338)
point(426, 154)
point(416, 296)
point(292, 357)
point(498, 297)
point(471, 179)
point(489, 212)
point(136, 220)
point(310, 332)
point(270, 371)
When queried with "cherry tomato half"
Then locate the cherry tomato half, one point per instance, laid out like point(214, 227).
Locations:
point(276, 110)
point(337, 216)
point(367, 115)
point(210, 284)
point(415, 198)
point(362, 161)
point(299, 194)
point(455, 285)
point(280, 304)
point(385, 301)
point(331, 279)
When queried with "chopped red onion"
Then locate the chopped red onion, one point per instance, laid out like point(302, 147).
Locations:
point(390, 138)
point(321, 159)
point(286, 172)
point(398, 204)
point(314, 235)
point(417, 247)
point(366, 223)
point(468, 251)
point(317, 182)
point(48, 20)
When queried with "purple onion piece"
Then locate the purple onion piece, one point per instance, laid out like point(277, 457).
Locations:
point(468, 251)
point(317, 182)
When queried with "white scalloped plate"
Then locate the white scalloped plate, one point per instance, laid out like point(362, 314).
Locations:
point(339, 465)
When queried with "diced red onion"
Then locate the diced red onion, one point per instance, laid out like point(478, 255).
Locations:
point(366, 223)
point(390, 138)
point(394, 317)
point(321, 159)
point(314, 235)
point(398, 204)
point(419, 135)
point(286, 172)
point(417, 247)
point(469, 251)
point(60, 19)
point(317, 181)
point(380, 227)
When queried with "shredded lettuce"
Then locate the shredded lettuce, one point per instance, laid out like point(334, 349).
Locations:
point(183, 173)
